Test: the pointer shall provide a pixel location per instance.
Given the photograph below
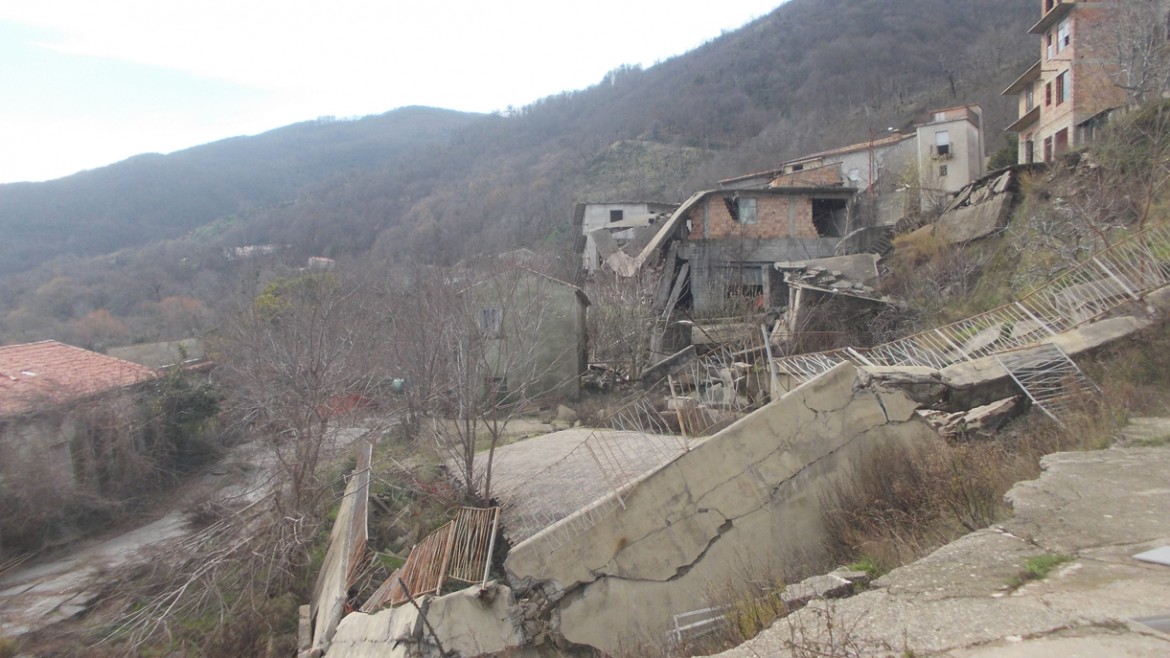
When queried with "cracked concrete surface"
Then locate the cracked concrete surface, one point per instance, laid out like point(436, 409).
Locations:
point(744, 502)
point(1099, 508)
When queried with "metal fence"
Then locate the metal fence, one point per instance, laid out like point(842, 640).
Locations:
point(1117, 275)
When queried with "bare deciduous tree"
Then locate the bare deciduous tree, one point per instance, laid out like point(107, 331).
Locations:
point(622, 319)
point(1133, 44)
point(476, 355)
point(298, 354)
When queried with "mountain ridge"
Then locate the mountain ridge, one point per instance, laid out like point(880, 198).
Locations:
point(812, 74)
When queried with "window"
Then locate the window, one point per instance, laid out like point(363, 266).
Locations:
point(1047, 149)
point(798, 167)
point(743, 211)
point(942, 143)
point(616, 215)
point(942, 170)
point(1063, 91)
point(1029, 149)
point(1047, 93)
point(1060, 143)
point(491, 322)
point(1029, 98)
point(746, 283)
point(1049, 46)
point(1063, 36)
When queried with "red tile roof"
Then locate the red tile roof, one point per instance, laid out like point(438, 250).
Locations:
point(48, 371)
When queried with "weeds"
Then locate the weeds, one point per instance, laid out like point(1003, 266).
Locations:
point(904, 502)
point(870, 566)
point(749, 615)
point(821, 632)
point(1037, 567)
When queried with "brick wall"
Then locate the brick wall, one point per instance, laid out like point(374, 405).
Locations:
point(820, 176)
point(773, 219)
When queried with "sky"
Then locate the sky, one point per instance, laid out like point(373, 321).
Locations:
point(85, 83)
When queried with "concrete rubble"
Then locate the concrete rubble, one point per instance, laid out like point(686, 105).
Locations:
point(979, 210)
point(1097, 509)
point(470, 622)
point(835, 585)
point(751, 492)
point(985, 419)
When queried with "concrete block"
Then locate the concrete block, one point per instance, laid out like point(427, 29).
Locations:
point(827, 586)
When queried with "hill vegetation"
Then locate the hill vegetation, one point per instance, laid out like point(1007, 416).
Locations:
point(437, 187)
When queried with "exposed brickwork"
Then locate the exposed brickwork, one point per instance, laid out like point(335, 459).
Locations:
point(1088, 64)
point(772, 219)
point(818, 177)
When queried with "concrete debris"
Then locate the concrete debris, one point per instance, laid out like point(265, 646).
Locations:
point(921, 384)
point(751, 489)
point(836, 282)
point(979, 210)
point(468, 623)
point(835, 585)
point(980, 420)
point(1096, 509)
point(858, 268)
point(566, 415)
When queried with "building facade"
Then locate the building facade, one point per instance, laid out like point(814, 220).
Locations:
point(44, 387)
point(1080, 75)
point(950, 150)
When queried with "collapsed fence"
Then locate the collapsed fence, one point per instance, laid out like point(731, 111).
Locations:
point(460, 550)
point(1117, 275)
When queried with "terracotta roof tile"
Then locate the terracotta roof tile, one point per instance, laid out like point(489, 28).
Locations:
point(48, 371)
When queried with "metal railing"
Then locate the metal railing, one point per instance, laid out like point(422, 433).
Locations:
point(1050, 379)
point(1115, 276)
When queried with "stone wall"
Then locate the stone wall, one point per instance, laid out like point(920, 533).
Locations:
point(744, 504)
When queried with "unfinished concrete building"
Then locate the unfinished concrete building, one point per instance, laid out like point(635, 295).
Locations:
point(604, 227)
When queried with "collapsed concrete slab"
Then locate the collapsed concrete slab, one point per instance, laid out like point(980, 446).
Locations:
point(1095, 509)
point(470, 622)
point(860, 268)
point(744, 502)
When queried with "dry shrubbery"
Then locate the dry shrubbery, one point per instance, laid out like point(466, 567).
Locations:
point(904, 502)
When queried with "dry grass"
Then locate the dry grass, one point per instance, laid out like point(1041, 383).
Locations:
point(904, 502)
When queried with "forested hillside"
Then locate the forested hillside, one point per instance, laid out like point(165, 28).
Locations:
point(153, 196)
point(811, 75)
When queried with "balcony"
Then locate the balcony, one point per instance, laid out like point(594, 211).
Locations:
point(1052, 17)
